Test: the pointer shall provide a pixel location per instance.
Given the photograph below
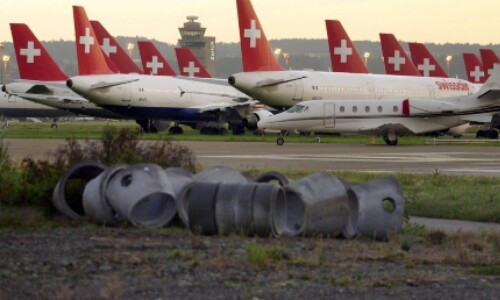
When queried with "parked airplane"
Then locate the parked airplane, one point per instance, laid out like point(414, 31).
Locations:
point(189, 65)
point(474, 68)
point(425, 62)
point(489, 59)
point(153, 63)
point(158, 97)
point(396, 61)
point(343, 53)
point(283, 89)
point(389, 118)
point(43, 81)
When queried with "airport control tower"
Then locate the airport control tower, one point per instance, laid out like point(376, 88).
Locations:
point(203, 47)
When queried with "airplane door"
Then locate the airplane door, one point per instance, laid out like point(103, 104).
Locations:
point(299, 92)
point(430, 90)
point(127, 94)
point(329, 115)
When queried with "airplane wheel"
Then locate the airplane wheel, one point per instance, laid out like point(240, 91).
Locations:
point(222, 131)
point(390, 142)
point(493, 134)
point(280, 141)
point(54, 125)
point(480, 134)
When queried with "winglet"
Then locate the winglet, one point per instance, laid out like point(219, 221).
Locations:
point(396, 60)
point(343, 54)
point(34, 62)
point(474, 68)
point(90, 57)
point(152, 61)
point(425, 62)
point(255, 48)
point(113, 50)
point(189, 65)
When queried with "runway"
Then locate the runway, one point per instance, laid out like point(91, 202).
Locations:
point(445, 159)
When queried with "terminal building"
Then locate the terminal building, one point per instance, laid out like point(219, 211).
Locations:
point(203, 47)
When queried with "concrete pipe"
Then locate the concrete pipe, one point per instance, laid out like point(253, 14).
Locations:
point(143, 195)
point(265, 197)
point(216, 174)
point(73, 208)
point(273, 176)
point(381, 207)
point(95, 202)
point(181, 180)
point(317, 204)
point(201, 207)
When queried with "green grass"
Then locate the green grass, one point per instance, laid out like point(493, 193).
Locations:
point(93, 130)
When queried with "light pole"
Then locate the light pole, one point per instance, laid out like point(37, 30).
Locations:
point(1, 65)
point(366, 56)
point(448, 61)
point(5, 60)
point(130, 48)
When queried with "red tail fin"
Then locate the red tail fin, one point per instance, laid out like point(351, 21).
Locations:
point(425, 62)
point(255, 49)
point(34, 62)
point(152, 61)
point(113, 50)
point(396, 60)
point(490, 60)
point(189, 65)
point(343, 54)
point(474, 68)
point(90, 57)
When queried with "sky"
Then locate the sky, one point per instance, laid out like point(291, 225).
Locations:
point(426, 21)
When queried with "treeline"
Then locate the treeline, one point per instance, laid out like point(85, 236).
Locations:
point(302, 54)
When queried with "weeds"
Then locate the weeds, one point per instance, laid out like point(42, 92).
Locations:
point(264, 256)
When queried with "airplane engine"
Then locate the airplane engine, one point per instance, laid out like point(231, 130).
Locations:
point(458, 130)
point(251, 121)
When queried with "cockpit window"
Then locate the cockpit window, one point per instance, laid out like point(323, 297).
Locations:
point(297, 109)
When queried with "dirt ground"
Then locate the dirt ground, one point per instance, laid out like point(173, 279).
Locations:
point(81, 261)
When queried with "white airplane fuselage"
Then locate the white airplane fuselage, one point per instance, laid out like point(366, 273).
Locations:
point(158, 97)
point(59, 96)
point(283, 89)
point(12, 106)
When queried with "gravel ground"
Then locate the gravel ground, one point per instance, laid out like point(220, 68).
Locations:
point(78, 261)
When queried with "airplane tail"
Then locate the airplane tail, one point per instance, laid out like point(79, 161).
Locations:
point(34, 62)
point(189, 65)
point(91, 60)
point(489, 59)
point(474, 68)
point(152, 61)
point(343, 54)
point(113, 50)
point(396, 60)
point(255, 48)
point(425, 62)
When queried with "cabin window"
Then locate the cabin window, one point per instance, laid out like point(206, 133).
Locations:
point(395, 108)
point(342, 109)
point(367, 108)
point(379, 108)
point(354, 109)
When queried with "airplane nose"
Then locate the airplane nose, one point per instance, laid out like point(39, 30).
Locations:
point(69, 83)
point(231, 80)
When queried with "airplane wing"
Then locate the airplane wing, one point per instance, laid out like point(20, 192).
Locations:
point(271, 82)
point(104, 84)
point(409, 126)
point(225, 106)
point(40, 98)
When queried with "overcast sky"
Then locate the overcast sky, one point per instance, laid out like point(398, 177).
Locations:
point(437, 21)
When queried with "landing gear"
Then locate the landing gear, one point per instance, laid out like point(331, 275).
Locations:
point(238, 129)
point(214, 131)
point(488, 134)
point(280, 141)
point(54, 123)
point(174, 130)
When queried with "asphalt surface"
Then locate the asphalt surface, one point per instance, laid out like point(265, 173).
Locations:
point(445, 159)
